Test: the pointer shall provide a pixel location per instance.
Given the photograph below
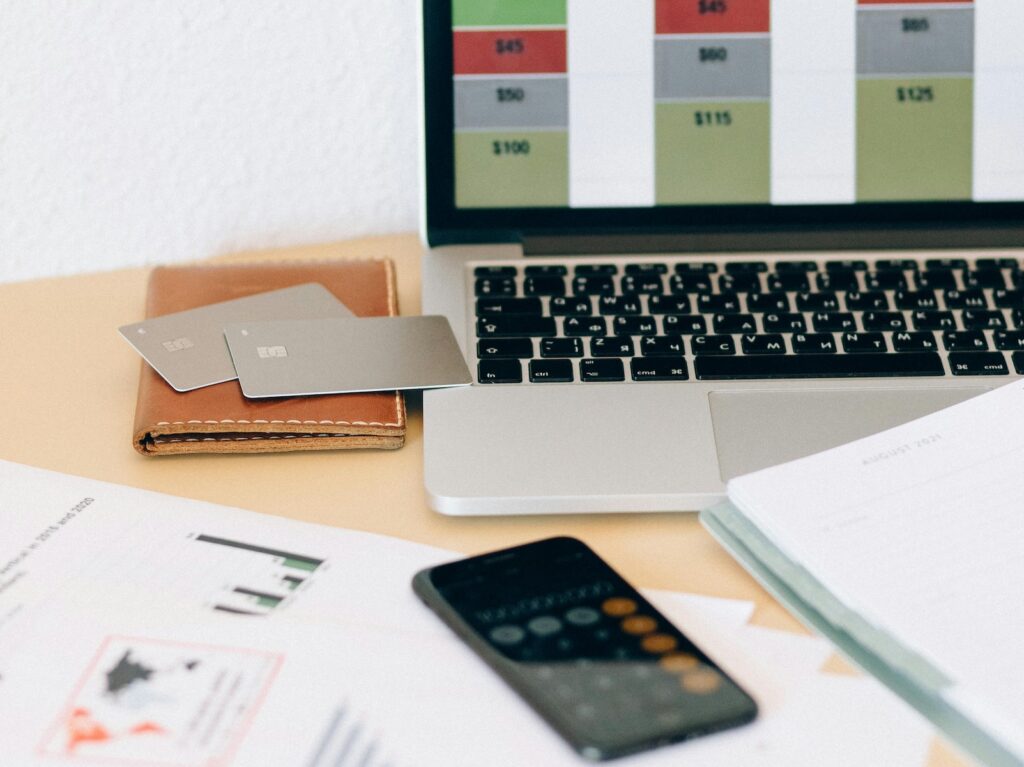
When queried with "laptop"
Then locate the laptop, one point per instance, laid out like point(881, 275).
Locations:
point(681, 240)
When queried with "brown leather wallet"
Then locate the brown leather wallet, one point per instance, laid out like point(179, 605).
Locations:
point(218, 419)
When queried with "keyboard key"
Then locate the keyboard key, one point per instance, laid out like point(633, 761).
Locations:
point(978, 364)
point(884, 321)
point(817, 302)
point(935, 278)
point(784, 322)
point(741, 267)
point(796, 266)
point(788, 281)
point(997, 263)
point(696, 282)
point(916, 299)
point(771, 343)
point(740, 283)
point(562, 306)
point(594, 285)
point(837, 281)
point(1018, 362)
point(512, 325)
point(1008, 299)
point(814, 343)
point(901, 264)
point(964, 341)
point(495, 286)
point(818, 366)
point(544, 286)
point(658, 369)
point(721, 303)
point(644, 284)
point(619, 305)
point(846, 266)
point(551, 371)
point(965, 299)
point(549, 270)
point(611, 346)
point(561, 347)
point(984, 278)
point(945, 263)
point(668, 305)
point(591, 269)
point(508, 348)
point(735, 323)
point(713, 345)
point(688, 267)
point(687, 324)
point(499, 371)
point(933, 320)
point(1018, 318)
point(914, 342)
point(646, 269)
point(885, 280)
point(488, 306)
point(768, 302)
point(980, 319)
point(602, 370)
point(584, 326)
point(863, 301)
point(860, 343)
point(659, 346)
point(494, 271)
point(1009, 340)
point(827, 322)
point(634, 326)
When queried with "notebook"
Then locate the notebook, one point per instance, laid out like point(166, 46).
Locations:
point(680, 241)
point(904, 548)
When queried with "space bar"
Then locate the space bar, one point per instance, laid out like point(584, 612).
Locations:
point(819, 366)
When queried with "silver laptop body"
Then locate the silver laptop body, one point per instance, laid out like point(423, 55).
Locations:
point(681, 422)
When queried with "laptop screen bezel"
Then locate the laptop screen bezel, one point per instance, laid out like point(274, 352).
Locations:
point(899, 224)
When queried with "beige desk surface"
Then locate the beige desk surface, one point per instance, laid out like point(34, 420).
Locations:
point(67, 393)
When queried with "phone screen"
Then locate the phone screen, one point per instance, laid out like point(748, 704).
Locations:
point(584, 648)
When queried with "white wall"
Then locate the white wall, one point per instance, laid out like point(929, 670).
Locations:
point(146, 131)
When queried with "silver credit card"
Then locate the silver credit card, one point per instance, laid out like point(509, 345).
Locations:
point(187, 348)
point(337, 356)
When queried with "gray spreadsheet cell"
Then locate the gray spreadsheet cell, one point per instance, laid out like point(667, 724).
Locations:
point(712, 67)
point(520, 102)
point(915, 41)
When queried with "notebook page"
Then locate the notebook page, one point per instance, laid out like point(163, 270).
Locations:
point(920, 529)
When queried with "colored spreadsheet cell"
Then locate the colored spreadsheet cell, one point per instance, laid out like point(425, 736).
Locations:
point(914, 139)
point(914, 2)
point(713, 152)
point(708, 68)
point(913, 41)
point(684, 17)
point(502, 13)
point(511, 168)
point(512, 51)
point(516, 102)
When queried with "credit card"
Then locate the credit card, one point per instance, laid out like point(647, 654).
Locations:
point(337, 356)
point(188, 349)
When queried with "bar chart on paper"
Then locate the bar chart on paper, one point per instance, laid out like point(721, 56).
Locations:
point(915, 87)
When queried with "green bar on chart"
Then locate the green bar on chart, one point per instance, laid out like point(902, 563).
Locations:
point(521, 168)
point(502, 13)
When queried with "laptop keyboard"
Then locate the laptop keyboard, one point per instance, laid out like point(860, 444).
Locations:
point(681, 320)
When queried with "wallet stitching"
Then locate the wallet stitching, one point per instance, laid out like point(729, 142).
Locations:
point(332, 423)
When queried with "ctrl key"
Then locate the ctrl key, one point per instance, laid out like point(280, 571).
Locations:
point(499, 371)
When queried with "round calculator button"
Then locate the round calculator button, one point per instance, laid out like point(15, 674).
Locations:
point(639, 624)
point(545, 625)
point(659, 643)
point(583, 616)
point(618, 607)
point(679, 662)
point(701, 681)
point(507, 635)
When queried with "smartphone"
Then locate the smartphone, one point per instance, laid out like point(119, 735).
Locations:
point(594, 658)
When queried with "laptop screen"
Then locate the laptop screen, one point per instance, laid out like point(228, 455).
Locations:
point(569, 112)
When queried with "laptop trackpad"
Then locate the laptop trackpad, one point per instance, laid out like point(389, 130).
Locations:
point(754, 430)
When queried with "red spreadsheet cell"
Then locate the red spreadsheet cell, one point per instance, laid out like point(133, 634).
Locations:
point(510, 51)
point(687, 17)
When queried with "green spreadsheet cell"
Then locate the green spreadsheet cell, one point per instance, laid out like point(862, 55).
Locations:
point(713, 152)
point(519, 169)
point(915, 138)
point(507, 13)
